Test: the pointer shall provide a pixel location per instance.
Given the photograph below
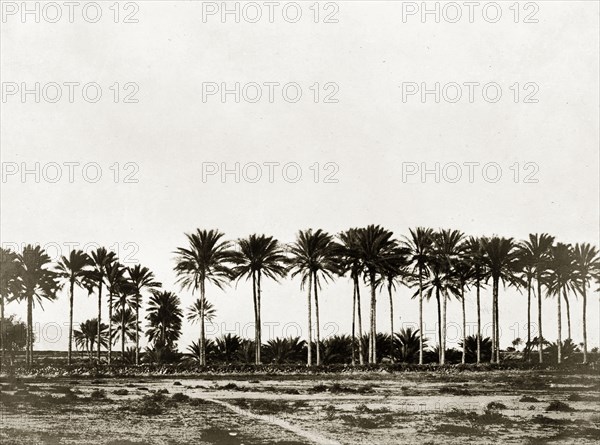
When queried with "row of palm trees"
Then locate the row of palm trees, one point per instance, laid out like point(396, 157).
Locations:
point(442, 264)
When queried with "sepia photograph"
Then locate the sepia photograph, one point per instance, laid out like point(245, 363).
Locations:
point(310, 222)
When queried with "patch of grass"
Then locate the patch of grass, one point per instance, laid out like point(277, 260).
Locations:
point(575, 398)
point(98, 394)
point(179, 397)
point(177, 384)
point(454, 390)
point(362, 408)
point(196, 401)
point(528, 399)
point(265, 406)
point(358, 422)
point(121, 392)
point(557, 405)
point(301, 404)
point(495, 406)
point(162, 391)
point(454, 429)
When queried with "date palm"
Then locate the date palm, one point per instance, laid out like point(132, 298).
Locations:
point(375, 247)
point(587, 263)
point(8, 281)
point(36, 283)
point(560, 277)
point(87, 335)
point(474, 255)
point(100, 260)
point(538, 248)
point(164, 318)
point(527, 276)
point(419, 245)
point(123, 319)
point(500, 257)
point(463, 273)
point(259, 255)
point(350, 261)
point(313, 257)
point(196, 309)
point(140, 279)
point(206, 259)
point(115, 282)
point(75, 271)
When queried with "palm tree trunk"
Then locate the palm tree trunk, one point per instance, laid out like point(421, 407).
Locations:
point(391, 322)
point(259, 339)
point(309, 348)
point(255, 316)
point(29, 355)
point(202, 334)
point(137, 331)
point(123, 333)
point(568, 313)
point(478, 322)
point(439, 310)
point(464, 320)
point(70, 322)
point(420, 316)
point(373, 356)
point(540, 338)
point(2, 327)
point(361, 357)
point(497, 322)
point(584, 324)
point(318, 342)
point(353, 325)
point(99, 317)
point(528, 318)
point(559, 341)
point(110, 295)
point(444, 305)
point(493, 357)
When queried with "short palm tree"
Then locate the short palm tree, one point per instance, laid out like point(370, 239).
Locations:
point(419, 245)
point(587, 263)
point(375, 247)
point(8, 280)
point(313, 257)
point(87, 335)
point(538, 248)
point(125, 327)
point(100, 260)
point(259, 255)
point(36, 283)
point(164, 317)
point(75, 271)
point(500, 257)
point(206, 259)
point(196, 309)
point(140, 280)
point(408, 344)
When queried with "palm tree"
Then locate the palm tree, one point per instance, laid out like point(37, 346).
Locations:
point(196, 309)
point(125, 327)
point(474, 255)
point(140, 279)
point(100, 260)
point(351, 262)
point(313, 257)
point(560, 269)
point(206, 259)
point(408, 344)
point(36, 283)
point(164, 318)
point(538, 247)
point(500, 257)
point(9, 269)
point(587, 263)
point(419, 246)
point(115, 282)
point(375, 248)
point(75, 271)
point(463, 273)
point(87, 335)
point(527, 276)
point(259, 255)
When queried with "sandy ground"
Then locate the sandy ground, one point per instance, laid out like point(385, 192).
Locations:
point(379, 408)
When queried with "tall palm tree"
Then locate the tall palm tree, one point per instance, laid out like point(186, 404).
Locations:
point(500, 257)
point(115, 283)
point(350, 261)
point(100, 260)
point(140, 279)
point(165, 318)
point(375, 247)
point(9, 269)
point(259, 255)
point(313, 257)
point(419, 246)
point(560, 277)
point(474, 255)
point(587, 262)
point(206, 259)
point(36, 283)
point(74, 270)
point(527, 276)
point(464, 274)
point(447, 248)
point(538, 247)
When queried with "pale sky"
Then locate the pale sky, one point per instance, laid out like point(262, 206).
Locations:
point(367, 59)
